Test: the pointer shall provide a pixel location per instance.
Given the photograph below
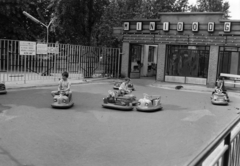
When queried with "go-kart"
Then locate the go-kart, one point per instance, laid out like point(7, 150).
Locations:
point(119, 100)
point(219, 98)
point(117, 85)
point(2, 88)
point(61, 101)
point(149, 103)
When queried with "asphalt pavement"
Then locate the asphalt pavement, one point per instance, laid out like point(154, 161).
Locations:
point(34, 134)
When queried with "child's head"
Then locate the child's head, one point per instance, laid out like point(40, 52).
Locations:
point(127, 80)
point(65, 75)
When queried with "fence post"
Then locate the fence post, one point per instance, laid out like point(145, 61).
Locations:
point(55, 65)
point(25, 68)
point(226, 156)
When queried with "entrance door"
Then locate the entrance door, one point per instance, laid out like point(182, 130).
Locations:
point(135, 61)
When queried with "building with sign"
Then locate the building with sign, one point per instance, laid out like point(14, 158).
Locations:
point(189, 48)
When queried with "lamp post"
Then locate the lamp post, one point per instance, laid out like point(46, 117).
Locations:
point(38, 22)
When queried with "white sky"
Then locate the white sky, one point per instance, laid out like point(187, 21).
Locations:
point(234, 8)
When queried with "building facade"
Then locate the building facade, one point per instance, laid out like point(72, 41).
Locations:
point(192, 48)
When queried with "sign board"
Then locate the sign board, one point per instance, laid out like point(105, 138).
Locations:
point(195, 26)
point(53, 50)
point(42, 49)
point(180, 26)
point(227, 27)
point(139, 26)
point(27, 48)
point(166, 26)
point(152, 26)
point(211, 27)
point(126, 26)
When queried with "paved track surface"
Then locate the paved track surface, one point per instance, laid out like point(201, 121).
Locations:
point(34, 134)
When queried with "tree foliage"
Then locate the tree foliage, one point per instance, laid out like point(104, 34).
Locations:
point(17, 25)
point(211, 6)
point(87, 22)
point(75, 19)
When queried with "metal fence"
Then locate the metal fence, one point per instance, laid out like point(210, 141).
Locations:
point(79, 61)
point(228, 145)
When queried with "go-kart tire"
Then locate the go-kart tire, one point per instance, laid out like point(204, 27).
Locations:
point(215, 102)
point(117, 107)
point(152, 109)
point(116, 88)
point(3, 92)
point(63, 106)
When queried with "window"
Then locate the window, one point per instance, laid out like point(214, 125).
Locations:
point(229, 60)
point(188, 61)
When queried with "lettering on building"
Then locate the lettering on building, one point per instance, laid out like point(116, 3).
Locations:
point(152, 26)
point(180, 26)
point(126, 26)
point(211, 27)
point(139, 26)
point(227, 27)
point(166, 26)
point(195, 26)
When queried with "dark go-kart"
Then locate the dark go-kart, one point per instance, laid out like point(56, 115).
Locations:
point(149, 103)
point(62, 101)
point(2, 88)
point(117, 85)
point(219, 98)
point(120, 101)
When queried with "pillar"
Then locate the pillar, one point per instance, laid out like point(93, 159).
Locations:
point(161, 62)
point(145, 60)
point(213, 66)
point(125, 59)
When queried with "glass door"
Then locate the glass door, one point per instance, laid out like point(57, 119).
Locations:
point(135, 61)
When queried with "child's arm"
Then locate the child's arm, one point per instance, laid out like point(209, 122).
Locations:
point(59, 86)
point(69, 86)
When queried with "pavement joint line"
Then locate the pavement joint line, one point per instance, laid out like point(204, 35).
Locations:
point(25, 86)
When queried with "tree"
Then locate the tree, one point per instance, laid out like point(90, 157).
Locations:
point(75, 19)
point(211, 6)
point(118, 10)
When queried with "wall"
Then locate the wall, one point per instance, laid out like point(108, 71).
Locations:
point(213, 66)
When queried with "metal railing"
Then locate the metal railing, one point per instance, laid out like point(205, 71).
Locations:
point(79, 61)
point(228, 144)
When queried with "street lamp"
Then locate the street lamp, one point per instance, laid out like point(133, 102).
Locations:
point(38, 22)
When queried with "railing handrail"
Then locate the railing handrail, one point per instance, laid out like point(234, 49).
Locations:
point(213, 144)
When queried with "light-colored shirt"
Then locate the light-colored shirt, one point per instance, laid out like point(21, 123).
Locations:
point(123, 86)
point(64, 85)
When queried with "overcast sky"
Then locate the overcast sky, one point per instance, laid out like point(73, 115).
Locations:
point(234, 8)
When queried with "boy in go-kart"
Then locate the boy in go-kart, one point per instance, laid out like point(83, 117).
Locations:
point(220, 87)
point(124, 87)
point(64, 86)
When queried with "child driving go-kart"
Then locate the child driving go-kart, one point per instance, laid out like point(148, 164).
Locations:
point(220, 87)
point(64, 86)
point(124, 87)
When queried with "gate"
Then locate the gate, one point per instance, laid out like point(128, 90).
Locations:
point(78, 60)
